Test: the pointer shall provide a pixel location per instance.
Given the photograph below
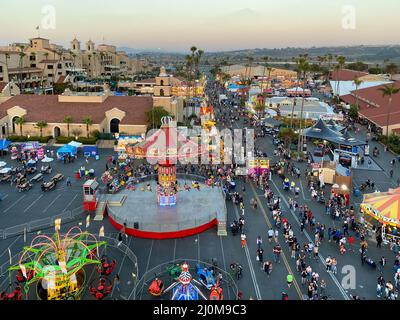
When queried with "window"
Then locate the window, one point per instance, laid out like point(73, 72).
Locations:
point(49, 67)
point(1, 69)
point(60, 73)
point(1, 78)
point(50, 75)
point(32, 58)
point(59, 66)
point(33, 65)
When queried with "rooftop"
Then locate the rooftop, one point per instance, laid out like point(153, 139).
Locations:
point(48, 107)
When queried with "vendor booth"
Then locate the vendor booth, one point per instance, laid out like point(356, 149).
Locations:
point(90, 151)
point(381, 212)
point(66, 150)
point(4, 144)
point(258, 166)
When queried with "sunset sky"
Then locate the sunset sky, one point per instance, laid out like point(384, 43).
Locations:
point(213, 25)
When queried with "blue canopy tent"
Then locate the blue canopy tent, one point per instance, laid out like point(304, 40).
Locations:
point(4, 144)
point(90, 151)
point(66, 150)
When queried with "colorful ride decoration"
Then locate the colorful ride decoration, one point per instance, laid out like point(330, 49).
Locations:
point(383, 207)
point(185, 288)
point(56, 264)
point(90, 195)
point(165, 147)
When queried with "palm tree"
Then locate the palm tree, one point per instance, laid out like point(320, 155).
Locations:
point(88, 121)
point(68, 120)
point(251, 59)
point(304, 67)
point(357, 82)
point(20, 121)
point(269, 76)
point(260, 108)
point(41, 125)
point(266, 65)
point(389, 91)
point(341, 60)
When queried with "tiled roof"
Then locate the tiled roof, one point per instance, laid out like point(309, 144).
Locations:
point(346, 75)
point(374, 106)
point(47, 107)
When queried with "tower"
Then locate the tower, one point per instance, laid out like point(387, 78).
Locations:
point(75, 45)
point(163, 87)
point(90, 46)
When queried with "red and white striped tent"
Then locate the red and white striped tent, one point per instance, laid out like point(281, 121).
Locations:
point(166, 146)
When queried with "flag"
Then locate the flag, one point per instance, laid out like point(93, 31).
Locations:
point(88, 221)
point(101, 233)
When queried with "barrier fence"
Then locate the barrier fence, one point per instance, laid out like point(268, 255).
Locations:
point(36, 225)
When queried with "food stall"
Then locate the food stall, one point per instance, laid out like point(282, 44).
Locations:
point(381, 210)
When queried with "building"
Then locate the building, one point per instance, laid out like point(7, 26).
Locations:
point(40, 64)
point(8, 90)
point(374, 108)
point(109, 114)
point(342, 82)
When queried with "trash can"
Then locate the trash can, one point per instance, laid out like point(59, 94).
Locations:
point(357, 193)
point(77, 175)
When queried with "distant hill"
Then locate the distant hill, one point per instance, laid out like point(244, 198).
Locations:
point(363, 53)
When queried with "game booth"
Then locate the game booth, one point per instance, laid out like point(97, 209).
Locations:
point(381, 211)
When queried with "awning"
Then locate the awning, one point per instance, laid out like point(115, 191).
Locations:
point(321, 131)
point(75, 144)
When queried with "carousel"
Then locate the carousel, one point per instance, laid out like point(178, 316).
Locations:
point(381, 211)
point(163, 206)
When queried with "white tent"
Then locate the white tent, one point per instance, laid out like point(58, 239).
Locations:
point(75, 144)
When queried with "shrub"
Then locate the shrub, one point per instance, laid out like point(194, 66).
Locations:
point(64, 140)
point(84, 140)
point(40, 139)
point(17, 138)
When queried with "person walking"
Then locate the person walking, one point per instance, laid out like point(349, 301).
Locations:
point(243, 240)
point(381, 264)
point(117, 282)
point(69, 184)
point(259, 242)
point(289, 280)
point(260, 255)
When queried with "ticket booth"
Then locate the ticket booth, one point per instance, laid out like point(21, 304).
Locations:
point(90, 195)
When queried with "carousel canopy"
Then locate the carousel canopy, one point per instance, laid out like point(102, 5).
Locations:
point(166, 146)
point(384, 206)
point(321, 131)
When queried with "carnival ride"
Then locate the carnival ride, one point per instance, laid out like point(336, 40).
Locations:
point(185, 287)
point(57, 264)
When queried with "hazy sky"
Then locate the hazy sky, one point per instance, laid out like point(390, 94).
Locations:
point(209, 24)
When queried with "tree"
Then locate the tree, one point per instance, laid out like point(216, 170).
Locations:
point(353, 112)
point(266, 65)
point(388, 90)
point(88, 122)
point(155, 115)
point(68, 120)
point(357, 82)
point(7, 56)
point(260, 107)
point(20, 121)
point(288, 136)
point(41, 125)
point(341, 61)
point(391, 69)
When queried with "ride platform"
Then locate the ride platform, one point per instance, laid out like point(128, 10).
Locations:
point(195, 212)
